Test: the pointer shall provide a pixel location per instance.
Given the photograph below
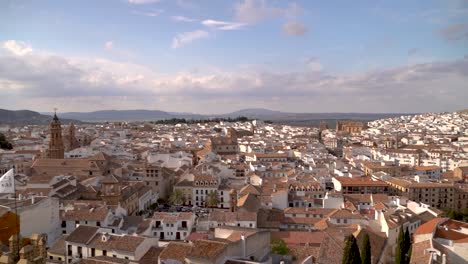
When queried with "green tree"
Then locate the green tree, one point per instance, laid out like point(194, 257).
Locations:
point(177, 197)
point(351, 251)
point(4, 144)
point(278, 246)
point(212, 199)
point(366, 250)
point(407, 246)
point(400, 250)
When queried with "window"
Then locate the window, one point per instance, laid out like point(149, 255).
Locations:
point(93, 252)
point(98, 223)
point(80, 252)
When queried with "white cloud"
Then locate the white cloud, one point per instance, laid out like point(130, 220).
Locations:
point(142, 2)
point(314, 64)
point(254, 11)
point(17, 47)
point(41, 78)
point(109, 45)
point(187, 37)
point(153, 13)
point(183, 19)
point(222, 25)
point(294, 28)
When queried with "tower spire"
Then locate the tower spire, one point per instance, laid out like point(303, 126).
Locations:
point(55, 114)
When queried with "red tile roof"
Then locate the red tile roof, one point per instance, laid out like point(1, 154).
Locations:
point(429, 227)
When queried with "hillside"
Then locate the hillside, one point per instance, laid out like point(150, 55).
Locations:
point(27, 117)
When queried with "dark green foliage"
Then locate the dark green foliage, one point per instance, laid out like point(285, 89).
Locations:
point(4, 144)
point(351, 251)
point(366, 250)
point(177, 197)
point(403, 250)
point(278, 246)
point(461, 215)
point(400, 250)
point(174, 121)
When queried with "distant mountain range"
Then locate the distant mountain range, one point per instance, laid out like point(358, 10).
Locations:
point(31, 117)
point(27, 117)
point(252, 113)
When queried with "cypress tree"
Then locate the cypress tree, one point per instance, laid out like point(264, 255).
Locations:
point(407, 244)
point(366, 250)
point(351, 251)
point(400, 250)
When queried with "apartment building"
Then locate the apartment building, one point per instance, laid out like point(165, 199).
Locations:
point(172, 226)
point(202, 185)
point(362, 185)
point(89, 241)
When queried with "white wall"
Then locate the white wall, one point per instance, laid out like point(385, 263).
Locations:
point(41, 217)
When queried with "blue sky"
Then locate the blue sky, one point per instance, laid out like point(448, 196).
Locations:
point(219, 56)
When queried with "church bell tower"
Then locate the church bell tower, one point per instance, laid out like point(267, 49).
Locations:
point(56, 149)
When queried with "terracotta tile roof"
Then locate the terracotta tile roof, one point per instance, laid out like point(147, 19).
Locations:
point(419, 253)
point(301, 220)
point(197, 236)
point(300, 237)
point(231, 217)
point(175, 251)
point(331, 250)
point(346, 214)
point(168, 217)
point(450, 234)
point(361, 181)
point(59, 246)
point(82, 234)
point(269, 218)
point(310, 211)
point(86, 214)
point(249, 188)
point(425, 168)
point(151, 256)
point(249, 202)
point(103, 260)
point(380, 206)
point(429, 227)
point(207, 249)
point(349, 206)
point(116, 242)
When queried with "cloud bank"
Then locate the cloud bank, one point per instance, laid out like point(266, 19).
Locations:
point(32, 78)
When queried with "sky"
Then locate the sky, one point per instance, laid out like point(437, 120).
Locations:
point(211, 56)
